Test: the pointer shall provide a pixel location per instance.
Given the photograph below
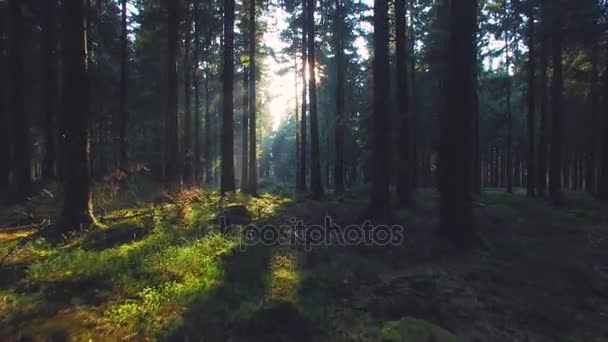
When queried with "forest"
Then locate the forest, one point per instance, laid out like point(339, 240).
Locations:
point(304, 170)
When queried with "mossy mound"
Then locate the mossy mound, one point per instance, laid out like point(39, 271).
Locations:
point(410, 329)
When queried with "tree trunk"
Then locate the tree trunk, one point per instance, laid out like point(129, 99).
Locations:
point(542, 145)
point(557, 86)
point(297, 109)
point(227, 178)
point(340, 115)
point(124, 115)
point(171, 126)
point(187, 138)
point(196, 160)
point(603, 179)
point(509, 164)
point(245, 132)
point(253, 151)
point(50, 92)
point(380, 201)
point(207, 145)
point(77, 203)
point(403, 176)
point(20, 120)
point(316, 185)
point(301, 186)
point(590, 155)
point(456, 214)
point(531, 170)
point(5, 140)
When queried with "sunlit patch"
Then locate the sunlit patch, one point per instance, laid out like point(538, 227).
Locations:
point(285, 278)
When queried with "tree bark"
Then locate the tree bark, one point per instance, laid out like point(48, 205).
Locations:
point(124, 115)
point(301, 186)
point(340, 115)
point(77, 203)
point(542, 146)
point(207, 145)
point(227, 177)
point(403, 176)
point(50, 93)
point(5, 164)
point(590, 156)
point(187, 138)
point(557, 87)
point(531, 170)
point(196, 160)
point(253, 151)
point(20, 120)
point(172, 143)
point(603, 179)
point(509, 164)
point(380, 201)
point(456, 214)
point(316, 184)
point(245, 132)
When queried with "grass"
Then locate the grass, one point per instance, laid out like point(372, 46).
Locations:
point(182, 277)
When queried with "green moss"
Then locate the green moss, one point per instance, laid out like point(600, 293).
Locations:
point(410, 329)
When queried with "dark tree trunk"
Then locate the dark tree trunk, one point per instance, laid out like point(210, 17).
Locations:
point(403, 176)
point(531, 170)
point(253, 151)
point(20, 120)
point(245, 132)
point(456, 215)
point(476, 166)
point(207, 145)
point(124, 114)
point(509, 163)
point(227, 177)
point(380, 201)
point(316, 185)
point(301, 186)
point(187, 138)
point(5, 162)
point(77, 203)
point(340, 115)
point(590, 155)
point(297, 109)
point(50, 92)
point(543, 129)
point(196, 160)
point(557, 87)
point(172, 143)
point(603, 179)
point(413, 105)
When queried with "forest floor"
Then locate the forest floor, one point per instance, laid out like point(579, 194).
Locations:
point(161, 268)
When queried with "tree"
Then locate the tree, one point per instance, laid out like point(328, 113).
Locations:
point(315, 155)
point(124, 115)
point(301, 186)
point(542, 145)
point(196, 59)
point(557, 88)
point(456, 216)
point(187, 138)
point(340, 115)
point(530, 183)
point(77, 204)
point(603, 179)
point(509, 168)
point(245, 132)
point(4, 130)
point(17, 97)
point(253, 151)
point(171, 124)
point(404, 166)
point(379, 201)
point(227, 178)
point(50, 93)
